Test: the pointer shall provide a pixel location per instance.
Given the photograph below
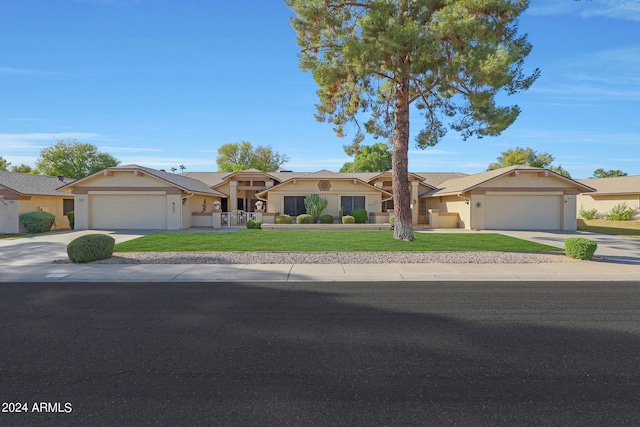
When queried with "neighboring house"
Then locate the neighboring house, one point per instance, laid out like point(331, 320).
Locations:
point(516, 197)
point(511, 198)
point(22, 193)
point(136, 197)
point(610, 192)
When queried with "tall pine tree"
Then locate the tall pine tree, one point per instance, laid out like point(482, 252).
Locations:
point(373, 59)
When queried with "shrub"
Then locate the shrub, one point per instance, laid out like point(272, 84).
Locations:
point(283, 219)
point(71, 216)
point(590, 214)
point(360, 216)
point(392, 220)
point(314, 205)
point(579, 247)
point(91, 247)
point(254, 224)
point(348, 219)
point(326, 219)
point(620, 212)
point(304, 219)
point(37, 222)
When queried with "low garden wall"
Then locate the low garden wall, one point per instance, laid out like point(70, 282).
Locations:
point(326, 226)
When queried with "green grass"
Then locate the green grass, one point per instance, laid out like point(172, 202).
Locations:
point(617, 228)
point(326, 241)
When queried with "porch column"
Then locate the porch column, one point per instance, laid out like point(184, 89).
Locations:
point(415, 203)
point(233, 196)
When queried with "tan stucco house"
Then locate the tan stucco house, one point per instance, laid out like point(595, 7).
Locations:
point(610, 192)
point(22, 193)
point(132, 196)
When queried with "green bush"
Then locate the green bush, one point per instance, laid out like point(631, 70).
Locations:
point(304, 219)
point(326, 219)
point(71, 216)
point(348, 219)
point(392, 220)
point(579, 247)
point(590, 214)
point(37, 222)
point(360, 216)
point(254, 224)
point(283, 219)
point(620, 212)
point(91, 247)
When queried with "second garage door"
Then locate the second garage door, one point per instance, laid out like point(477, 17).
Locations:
point(128, 212)
point(524, 212)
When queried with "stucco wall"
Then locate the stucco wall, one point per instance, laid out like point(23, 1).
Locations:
point(52, 204)
point(338, 189)
point(451, 204)
point(604, 204)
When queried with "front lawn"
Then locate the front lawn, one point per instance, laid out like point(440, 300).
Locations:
point(618, 228)
point(327, 241)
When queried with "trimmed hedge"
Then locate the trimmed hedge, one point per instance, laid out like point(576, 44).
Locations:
point(91, 247)
point(71, 216)
point(348, 219)
point(580, 248)
point(304, 219)
point(37, 222)
point(392, 220)
point(326, 219)
point(254, 224)
point(283, 219)
point(360, 216)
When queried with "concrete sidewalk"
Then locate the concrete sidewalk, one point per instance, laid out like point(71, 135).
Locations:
point(571, 271)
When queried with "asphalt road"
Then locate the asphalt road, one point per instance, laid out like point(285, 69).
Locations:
point(320, 354)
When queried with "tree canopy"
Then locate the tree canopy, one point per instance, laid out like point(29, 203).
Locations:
point(73, 159)
point(601, 173)
point(370, 158)
point(4, 164)
point(238, 156)
point(372, 59)
point(527, 157)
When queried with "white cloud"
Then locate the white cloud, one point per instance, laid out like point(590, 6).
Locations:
point(25, 142)
point(9, 71)
point(628, 10)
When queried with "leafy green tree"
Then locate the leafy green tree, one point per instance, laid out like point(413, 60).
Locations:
point(601, 173)
point(22, 168)
point(522, 156)
point(527, 157)
point(238, 156)
point(449, 58)
point(370, 158)
point(4, 164)
point(73, 159)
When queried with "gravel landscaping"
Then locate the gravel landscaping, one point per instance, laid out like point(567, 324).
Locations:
point(335, 258)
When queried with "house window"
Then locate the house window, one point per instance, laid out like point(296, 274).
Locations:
point(387, 205)
point(351, 203)
point(67, 206)
point(294, 205)
point(422, 206)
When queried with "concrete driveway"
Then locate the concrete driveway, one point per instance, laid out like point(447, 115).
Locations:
point(618, 249)
point(47, 247)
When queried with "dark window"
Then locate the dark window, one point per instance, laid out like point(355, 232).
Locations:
point(224, 203)
point(351, 203)
point(67, 206)
point(386, 205)
point(294, 205)
point(240, 204)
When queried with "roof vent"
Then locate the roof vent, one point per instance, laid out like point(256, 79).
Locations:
point(61, 178)
point(162, 170)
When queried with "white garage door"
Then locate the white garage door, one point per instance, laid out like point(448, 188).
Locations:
point(128, 212)
point(524, 212)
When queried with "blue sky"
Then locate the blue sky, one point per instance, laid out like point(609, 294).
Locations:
point(165, 82)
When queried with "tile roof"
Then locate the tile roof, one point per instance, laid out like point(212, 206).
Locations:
point(466, 183)
point(614, 185)
point(183, 182)
point(26, 183)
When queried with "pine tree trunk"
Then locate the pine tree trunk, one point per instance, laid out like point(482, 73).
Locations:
point(403, 228)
